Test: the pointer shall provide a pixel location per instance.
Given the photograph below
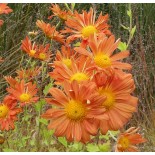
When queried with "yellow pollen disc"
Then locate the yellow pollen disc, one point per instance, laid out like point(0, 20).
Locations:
point(32, 52)
point(79, 77)
point(124, 142)
point(102, 60)
point(88, 30)
point(25, 97)
point(3, 111)
point(75, 110)
point(110, 98)
point(67, 62)
point(42, 56)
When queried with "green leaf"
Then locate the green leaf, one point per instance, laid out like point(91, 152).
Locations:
point(39, 105)
point(133, 30)
point(122, 46)
point(43, 121)
point(129, 13)
point(105, 147)
point(114, 133)
point(92, 148)
point(106, 137)
point(76, 147)
point(77, 44)
point(8, 150)
point(47, 87)
point(63, 141)
point(126, 28)
point(72, 6)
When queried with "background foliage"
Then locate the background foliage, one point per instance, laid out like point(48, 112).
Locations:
point(142, 47)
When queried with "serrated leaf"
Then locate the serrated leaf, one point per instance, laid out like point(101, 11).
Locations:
point(105, 147)
point(76, 146)
point(92, 148)
point(133, 30)
point(122, 46)
point(63, 141)
point(114, 133)
point(106, 137)
point(39, 105)
point(129, 13)
point(43, 121)
point(47, 87)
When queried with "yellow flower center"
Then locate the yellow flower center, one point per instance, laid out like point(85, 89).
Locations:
point(79, 77)
point(32, 52)
point(3, 111)
point(88, 30)
point(110, 98)
point(102, 60)
point(67, 62)
point(25, 97)
point(75, 110)
point(42, 56)
point(124, 142)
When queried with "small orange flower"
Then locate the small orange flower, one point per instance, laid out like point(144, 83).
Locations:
point(1, 60)
point(28, 74)
point(24, 92)
point(49, 31)
point(102, 49)
point(12, 82)
point(128, 139)
point(28, 47)
point(73, 113)
point(43, 53)
point(66, 56)
point(119, 103)
point(59, 13)
point(4, 9)
point(83, 25)
point(77, 71)
point(8, 112)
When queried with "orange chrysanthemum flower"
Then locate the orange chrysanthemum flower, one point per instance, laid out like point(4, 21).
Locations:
point(102, 49)
point(43, 53)
point(8, 112)
point(28, 74)
point(119, 104)
point(12, 82)
point(4, 9)
point(73, 113)
point(24, 92)
point(66, 56)
point(28, 47)
point(77, 71)
point(49, 31)
point(126, 141)
point(59, 13)
point(83, 25)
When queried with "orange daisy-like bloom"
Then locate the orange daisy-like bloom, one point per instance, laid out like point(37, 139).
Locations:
point(28, 74)
point(28, 47)
point(8, 112)
point(12, 82)
point(73, 115)
point(49, 31)
point(66, 56)
point(59, 13)
point(4, 9)
point(126, 141)
point(83, 25)
point(119, 104)
point(24, 92)
point(102, 53)
point(77, 71)
point(43, 53)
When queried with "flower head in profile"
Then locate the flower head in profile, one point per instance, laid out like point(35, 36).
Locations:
point(59, 13)
point(126, 141)
point(8, 113)
point(24, 93)
point(73, 113)
point(102, 49)
point(119, 103)
point(28, 47)
point(83, 25)
point(28, 74)
point(50, 31)
point(77, 71)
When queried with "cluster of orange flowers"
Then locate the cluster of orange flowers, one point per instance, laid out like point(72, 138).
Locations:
point(96, 91)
